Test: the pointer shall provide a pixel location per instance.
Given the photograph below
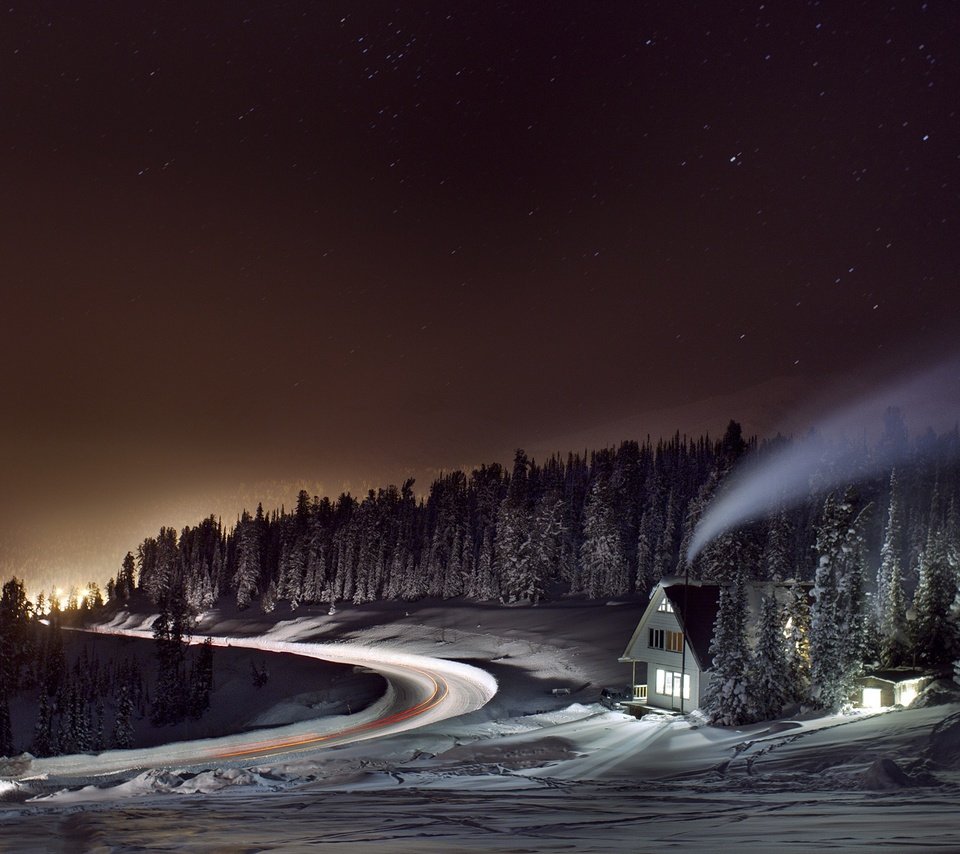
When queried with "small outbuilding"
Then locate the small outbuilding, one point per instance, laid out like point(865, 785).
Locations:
point(897, 686)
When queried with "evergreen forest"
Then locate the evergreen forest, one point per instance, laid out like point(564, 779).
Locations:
point(875, 567)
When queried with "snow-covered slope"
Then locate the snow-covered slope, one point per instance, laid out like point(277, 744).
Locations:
point(542, 773)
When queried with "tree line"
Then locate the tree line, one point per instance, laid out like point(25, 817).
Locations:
point(85, 704)
point(610, 524)
point(883, 590)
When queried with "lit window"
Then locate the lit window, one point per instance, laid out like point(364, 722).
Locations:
point(669, 683)
point(908, 693)
point(665, 606)
point(872, 698)
point(675, 641)
point(656, 639)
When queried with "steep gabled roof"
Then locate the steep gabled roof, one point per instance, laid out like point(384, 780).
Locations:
point(694, 610)
point(695, 605)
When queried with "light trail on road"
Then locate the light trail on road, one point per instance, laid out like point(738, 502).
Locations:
point(420, 690)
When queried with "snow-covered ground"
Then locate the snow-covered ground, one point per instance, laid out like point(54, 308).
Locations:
point(529, 771)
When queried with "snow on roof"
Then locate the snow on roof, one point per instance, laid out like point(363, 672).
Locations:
point(897, 674)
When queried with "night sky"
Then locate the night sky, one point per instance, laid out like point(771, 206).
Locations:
point(253, 246)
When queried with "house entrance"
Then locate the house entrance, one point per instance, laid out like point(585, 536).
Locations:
point(669, 682)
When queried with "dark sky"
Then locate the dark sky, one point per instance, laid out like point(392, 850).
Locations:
point(253, 245)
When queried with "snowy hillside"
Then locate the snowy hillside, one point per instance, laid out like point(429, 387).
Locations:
point(530, 771)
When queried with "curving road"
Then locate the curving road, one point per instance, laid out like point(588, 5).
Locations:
point(420, 691)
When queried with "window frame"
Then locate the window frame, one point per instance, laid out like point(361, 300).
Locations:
point(668, 683)
point(673, 641)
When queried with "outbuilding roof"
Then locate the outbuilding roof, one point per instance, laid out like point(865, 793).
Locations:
point(896, 675)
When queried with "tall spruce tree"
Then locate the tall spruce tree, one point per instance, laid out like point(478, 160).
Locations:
point(935, 633)
point(247, 576)
point(837, 632)
point(778, 552)
point(123, 723)
point(545, 542)
point(603, 563)
point(169, 630)
point(511, 550)
point(798, 644)
point(891, 609)
point(770, 665)
point(729, 697)
point(43, 729)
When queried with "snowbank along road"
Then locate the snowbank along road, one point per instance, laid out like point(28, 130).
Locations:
point(420, 691)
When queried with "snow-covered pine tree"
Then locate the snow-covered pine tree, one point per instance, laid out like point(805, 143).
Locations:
point(125, 583)
point(43, 729)
point(269, 599)
point(665, 559)
point(217, 569)
point(394, 584)
point(828, 686)
point(778, 550)
point(651, 530)
point(603, 564)
point(368, 546)
point(344, 576)
point(201, 680)
point(511, 549)
point(98, 740)
point(545, 540)
point(453, 576)
point(728, 699)
point(722, 559)
point(891, 608)
point(488, 589)
point(123, 723)
point(316, 577)
point(935, 633)
point(769, 683)
point(644, 570)
point(852, 590)
point(169, 630)
point(79, 724)
point(798, 645)
point(166, 573)
point(247, 576)
point(378, 576)
point(207, 596)
point(292, 570)
point(837, 617)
